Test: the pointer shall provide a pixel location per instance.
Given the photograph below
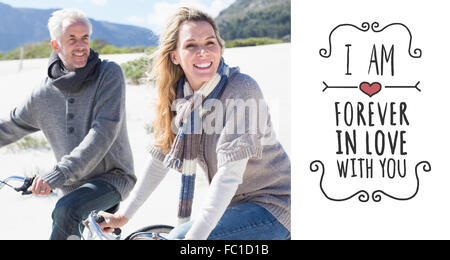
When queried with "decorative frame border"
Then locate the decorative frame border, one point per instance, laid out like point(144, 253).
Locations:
point(363, 195)
point(365, 27)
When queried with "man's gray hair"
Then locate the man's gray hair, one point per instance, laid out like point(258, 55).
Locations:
point(55, 23)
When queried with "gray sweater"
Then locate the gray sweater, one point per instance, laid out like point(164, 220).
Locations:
point(267, 177)
point(86, 130)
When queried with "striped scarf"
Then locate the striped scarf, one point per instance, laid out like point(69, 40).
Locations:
point(183, 155)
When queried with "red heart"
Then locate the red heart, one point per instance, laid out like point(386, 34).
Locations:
point(370, 89)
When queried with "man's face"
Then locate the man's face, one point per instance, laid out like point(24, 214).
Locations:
point(73, 47)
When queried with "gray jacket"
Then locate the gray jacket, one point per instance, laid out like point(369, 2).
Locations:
point(86, 130)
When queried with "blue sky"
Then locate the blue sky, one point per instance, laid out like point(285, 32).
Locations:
point(150, 14)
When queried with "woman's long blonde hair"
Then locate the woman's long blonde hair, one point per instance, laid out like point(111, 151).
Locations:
point(166, 74)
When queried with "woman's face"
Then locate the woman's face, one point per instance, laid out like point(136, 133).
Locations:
point(198, 52)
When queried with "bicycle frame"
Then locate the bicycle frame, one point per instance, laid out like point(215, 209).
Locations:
point(147, 236)
point(94, 231)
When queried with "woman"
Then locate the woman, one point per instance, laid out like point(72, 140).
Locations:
point(211, 114)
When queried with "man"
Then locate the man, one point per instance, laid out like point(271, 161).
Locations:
point(80, 107)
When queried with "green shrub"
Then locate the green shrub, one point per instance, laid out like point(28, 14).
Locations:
point(135, 70)
point(109, 49)
point(251, 42)
point(43, 50)
point(37, 50)
point(98, 44)
point(103, 47)
point(30, 51)
point(29, 142)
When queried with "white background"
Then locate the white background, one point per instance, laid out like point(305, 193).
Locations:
point(313, 129)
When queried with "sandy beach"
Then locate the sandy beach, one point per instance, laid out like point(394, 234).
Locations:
point(30, 217)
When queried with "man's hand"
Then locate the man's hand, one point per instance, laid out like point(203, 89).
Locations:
point(40, 187)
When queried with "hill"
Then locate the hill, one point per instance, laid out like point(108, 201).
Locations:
point(20, 26)
point(256, 18)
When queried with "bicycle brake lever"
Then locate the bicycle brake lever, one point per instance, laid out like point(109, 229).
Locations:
point(24, 188)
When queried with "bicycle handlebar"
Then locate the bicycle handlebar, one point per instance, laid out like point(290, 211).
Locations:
point(27, 182)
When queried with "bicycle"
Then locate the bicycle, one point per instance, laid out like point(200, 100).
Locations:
point(153, 232)
point(92, 230)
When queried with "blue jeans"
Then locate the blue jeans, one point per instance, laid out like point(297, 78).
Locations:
point(246, 221)
point(76, 206)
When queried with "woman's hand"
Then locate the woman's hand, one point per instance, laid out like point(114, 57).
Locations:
point(40, 187)
point(112, 221)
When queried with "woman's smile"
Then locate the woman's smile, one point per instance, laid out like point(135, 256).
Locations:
point(203, 66)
